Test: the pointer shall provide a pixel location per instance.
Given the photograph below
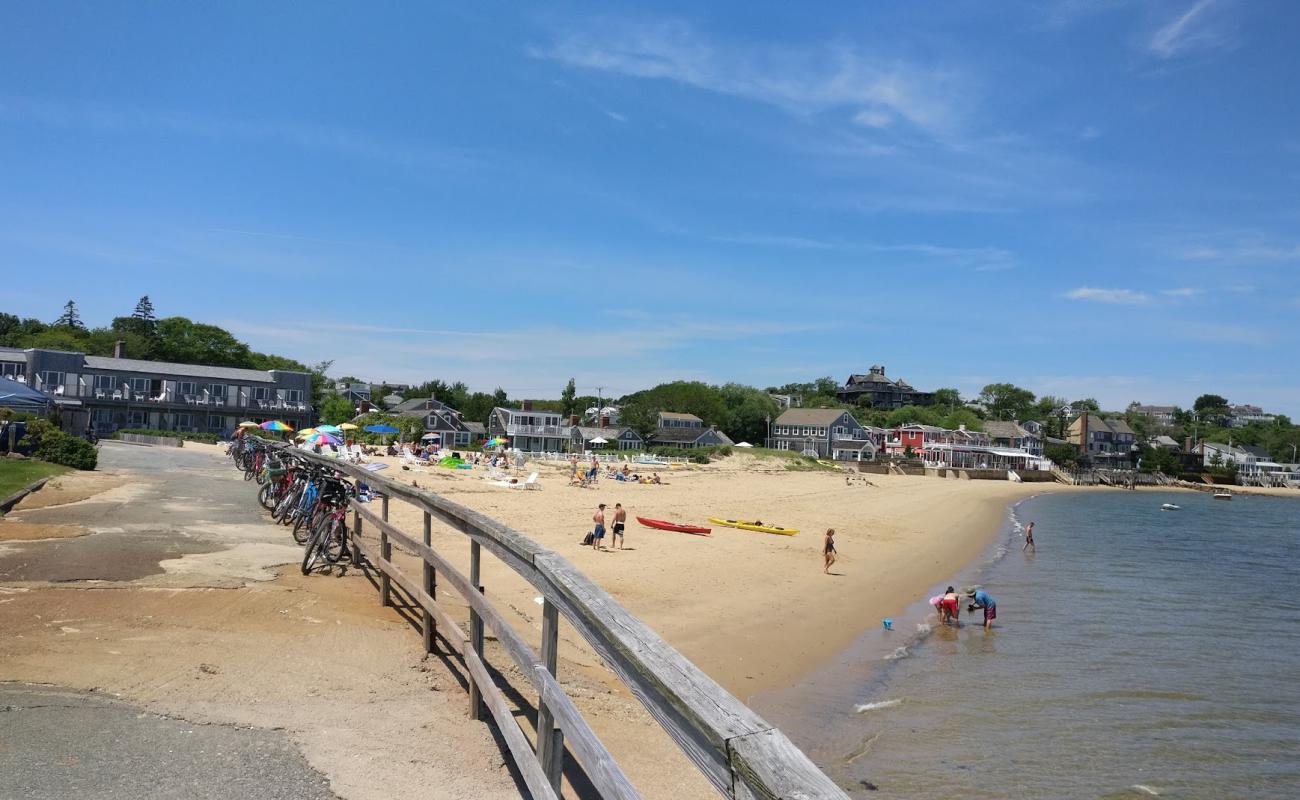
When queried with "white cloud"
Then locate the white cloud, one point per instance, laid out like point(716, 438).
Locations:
point(799, 80)
point(1183, 292)
point(1114, 296)
point(1194, 29)
point(1246, 252)
point(617, 117)
point(983, 259)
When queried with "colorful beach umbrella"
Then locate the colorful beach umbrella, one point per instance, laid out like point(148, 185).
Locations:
point(274, 425)
point(329, 428)
point(320, 437)
point(248, 425)
point(430, 436)
point(347, 426)
point(305, 432)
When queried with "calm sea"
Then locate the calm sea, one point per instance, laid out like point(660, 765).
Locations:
point(1138, 653)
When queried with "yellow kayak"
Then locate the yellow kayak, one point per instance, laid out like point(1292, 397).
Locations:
point(753, 526)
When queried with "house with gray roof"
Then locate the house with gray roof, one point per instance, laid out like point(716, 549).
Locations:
point(876, 390)
point(825, 433)
point(617, 437)
point(1014, 436)
point(107, 393)
point(1100, 438)
point(677, 429)
point(442, 419)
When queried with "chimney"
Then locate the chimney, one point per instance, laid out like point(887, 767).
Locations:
point(365, 407)
point(527, 405)
point(573, 419)
point(119, 349)
point(604, 422)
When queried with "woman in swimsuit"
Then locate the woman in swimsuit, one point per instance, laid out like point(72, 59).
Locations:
point(828, 550)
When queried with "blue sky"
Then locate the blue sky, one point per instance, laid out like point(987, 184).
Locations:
point(1085, 198)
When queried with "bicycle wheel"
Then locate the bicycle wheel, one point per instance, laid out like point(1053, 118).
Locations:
point(264, 496)
point(335, 544)
point(285, 504)
point(305, 524)
point(315, 548)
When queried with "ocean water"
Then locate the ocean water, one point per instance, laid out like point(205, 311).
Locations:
point(1137, 653)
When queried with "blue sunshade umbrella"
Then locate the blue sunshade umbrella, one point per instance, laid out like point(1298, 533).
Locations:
point(329, 428)
point(379, 429)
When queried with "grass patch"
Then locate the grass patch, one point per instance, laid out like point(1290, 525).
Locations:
point(794, 462)
point(15, 474)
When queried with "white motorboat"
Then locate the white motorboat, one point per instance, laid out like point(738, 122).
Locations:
point(1170, 507)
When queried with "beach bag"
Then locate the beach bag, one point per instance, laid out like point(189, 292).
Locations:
point(587, 540)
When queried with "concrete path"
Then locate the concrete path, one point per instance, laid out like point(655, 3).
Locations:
point(57, 743)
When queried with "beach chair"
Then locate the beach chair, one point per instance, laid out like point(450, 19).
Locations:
point(409, 458)
point(530, 483)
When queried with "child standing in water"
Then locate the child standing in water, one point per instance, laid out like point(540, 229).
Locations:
point(950, 606)
point(1029, 538)
point(828, 550)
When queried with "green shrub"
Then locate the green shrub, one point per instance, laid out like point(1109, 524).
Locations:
point(699, 458)
point(209, 438)
point(70, 451)
point(50, 444)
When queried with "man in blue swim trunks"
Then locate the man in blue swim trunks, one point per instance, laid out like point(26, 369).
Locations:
point(598, 535)
point(980, 599)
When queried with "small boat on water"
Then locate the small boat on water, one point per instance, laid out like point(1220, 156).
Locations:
point(1223, 495)
point(664, 525)
point(1170, 507)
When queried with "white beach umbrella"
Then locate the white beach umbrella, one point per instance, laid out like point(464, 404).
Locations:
point(744, 444)
point(598, 440)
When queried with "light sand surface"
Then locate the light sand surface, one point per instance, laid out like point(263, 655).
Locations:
point(753, 610)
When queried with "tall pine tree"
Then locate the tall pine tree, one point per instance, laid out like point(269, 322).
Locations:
point(70, 318)
point(144, 310)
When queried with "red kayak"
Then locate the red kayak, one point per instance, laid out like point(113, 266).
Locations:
point(673, 526)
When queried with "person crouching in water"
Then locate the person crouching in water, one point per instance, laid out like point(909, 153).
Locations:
point(950, 606)
point(980, 599)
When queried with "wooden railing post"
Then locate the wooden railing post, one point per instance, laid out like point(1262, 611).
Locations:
point(430, 586)
point(550, 739)
point(475, 632)
point(386, 553)
point(356, 534)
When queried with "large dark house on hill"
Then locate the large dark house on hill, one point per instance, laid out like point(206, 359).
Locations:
point(874, 390)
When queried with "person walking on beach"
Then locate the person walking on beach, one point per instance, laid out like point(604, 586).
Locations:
point(828, 550)
point(598, 534)
point(1029, 538)
point(980, 599)
point(620, 522)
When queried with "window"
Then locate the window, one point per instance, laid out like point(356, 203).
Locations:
point(137, 419)
point(102, 416)
point(782, 445)
point(141, 385)
point(50, 380)
point(11, 369)
point(105, 383)
point(293, 395)
point(215, 421)
point(184, 421)
point(186, 387)
point(217, 390)
point(262, 393)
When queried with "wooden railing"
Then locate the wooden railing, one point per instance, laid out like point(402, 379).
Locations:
point(741, 754)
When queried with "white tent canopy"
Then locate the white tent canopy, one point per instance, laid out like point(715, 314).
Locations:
point(744, 444)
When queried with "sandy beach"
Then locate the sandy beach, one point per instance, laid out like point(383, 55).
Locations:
point(754, 610)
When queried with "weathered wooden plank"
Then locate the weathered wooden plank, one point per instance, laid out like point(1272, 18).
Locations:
point(475, 623)
point(768, 766)
point(550, 742)
point(430, 586)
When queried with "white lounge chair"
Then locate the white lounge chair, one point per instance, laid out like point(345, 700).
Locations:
point(409, 458)
point(531, 483)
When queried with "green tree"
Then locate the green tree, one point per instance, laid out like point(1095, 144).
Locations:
point(1007, 401)
point(335, 409)
point(748, 410)
point(1063, 454)
point(187, 342)
point(144, 310)
point(567, 398)
point(638, 416)
point(500, 398)
point(70, 318)
point(948, 398)
point(1086, 404)
point(1209, 401)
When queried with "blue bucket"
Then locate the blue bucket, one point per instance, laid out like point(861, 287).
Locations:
point(888, 622)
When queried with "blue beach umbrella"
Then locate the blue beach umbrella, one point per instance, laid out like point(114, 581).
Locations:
point(379, 429)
